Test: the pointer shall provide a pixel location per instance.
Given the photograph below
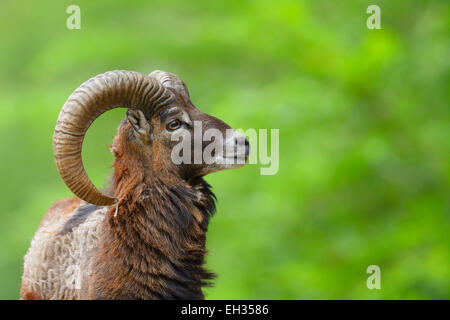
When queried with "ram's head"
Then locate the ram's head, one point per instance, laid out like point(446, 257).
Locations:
point(162, 125)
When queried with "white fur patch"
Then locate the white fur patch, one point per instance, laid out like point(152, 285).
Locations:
point(58, 266)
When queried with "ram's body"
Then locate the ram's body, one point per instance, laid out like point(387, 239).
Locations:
point(145, 238)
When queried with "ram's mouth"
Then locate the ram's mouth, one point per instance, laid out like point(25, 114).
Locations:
point(241, 156)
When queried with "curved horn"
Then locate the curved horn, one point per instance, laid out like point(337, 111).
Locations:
point(170, 80)
point(103, 92)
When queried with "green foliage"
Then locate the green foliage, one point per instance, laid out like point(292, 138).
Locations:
point(364, 133)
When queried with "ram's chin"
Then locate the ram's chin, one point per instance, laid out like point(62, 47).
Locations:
point(231, 162)
point(221, 163)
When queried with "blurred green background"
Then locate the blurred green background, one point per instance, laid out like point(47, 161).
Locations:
point(364, 133)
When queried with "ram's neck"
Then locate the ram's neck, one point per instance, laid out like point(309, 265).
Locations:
point(155, 246)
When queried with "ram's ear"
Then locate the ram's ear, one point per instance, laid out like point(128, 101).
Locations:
point(141, 127)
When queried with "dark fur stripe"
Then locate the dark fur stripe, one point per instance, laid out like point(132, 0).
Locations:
point(78, 217)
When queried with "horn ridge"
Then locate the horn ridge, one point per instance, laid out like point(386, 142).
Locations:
point(112, 89)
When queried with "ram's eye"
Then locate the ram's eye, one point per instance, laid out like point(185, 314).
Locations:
point(173, 125)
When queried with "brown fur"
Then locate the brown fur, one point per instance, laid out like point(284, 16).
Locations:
point(155, 247)
point(28, 294)
point(59, 209)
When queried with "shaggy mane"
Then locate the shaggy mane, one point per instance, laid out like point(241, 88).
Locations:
point(157, 239)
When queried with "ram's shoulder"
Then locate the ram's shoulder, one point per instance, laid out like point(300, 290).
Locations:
point(66, 215)
point(60, 210)
point(84, 213)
